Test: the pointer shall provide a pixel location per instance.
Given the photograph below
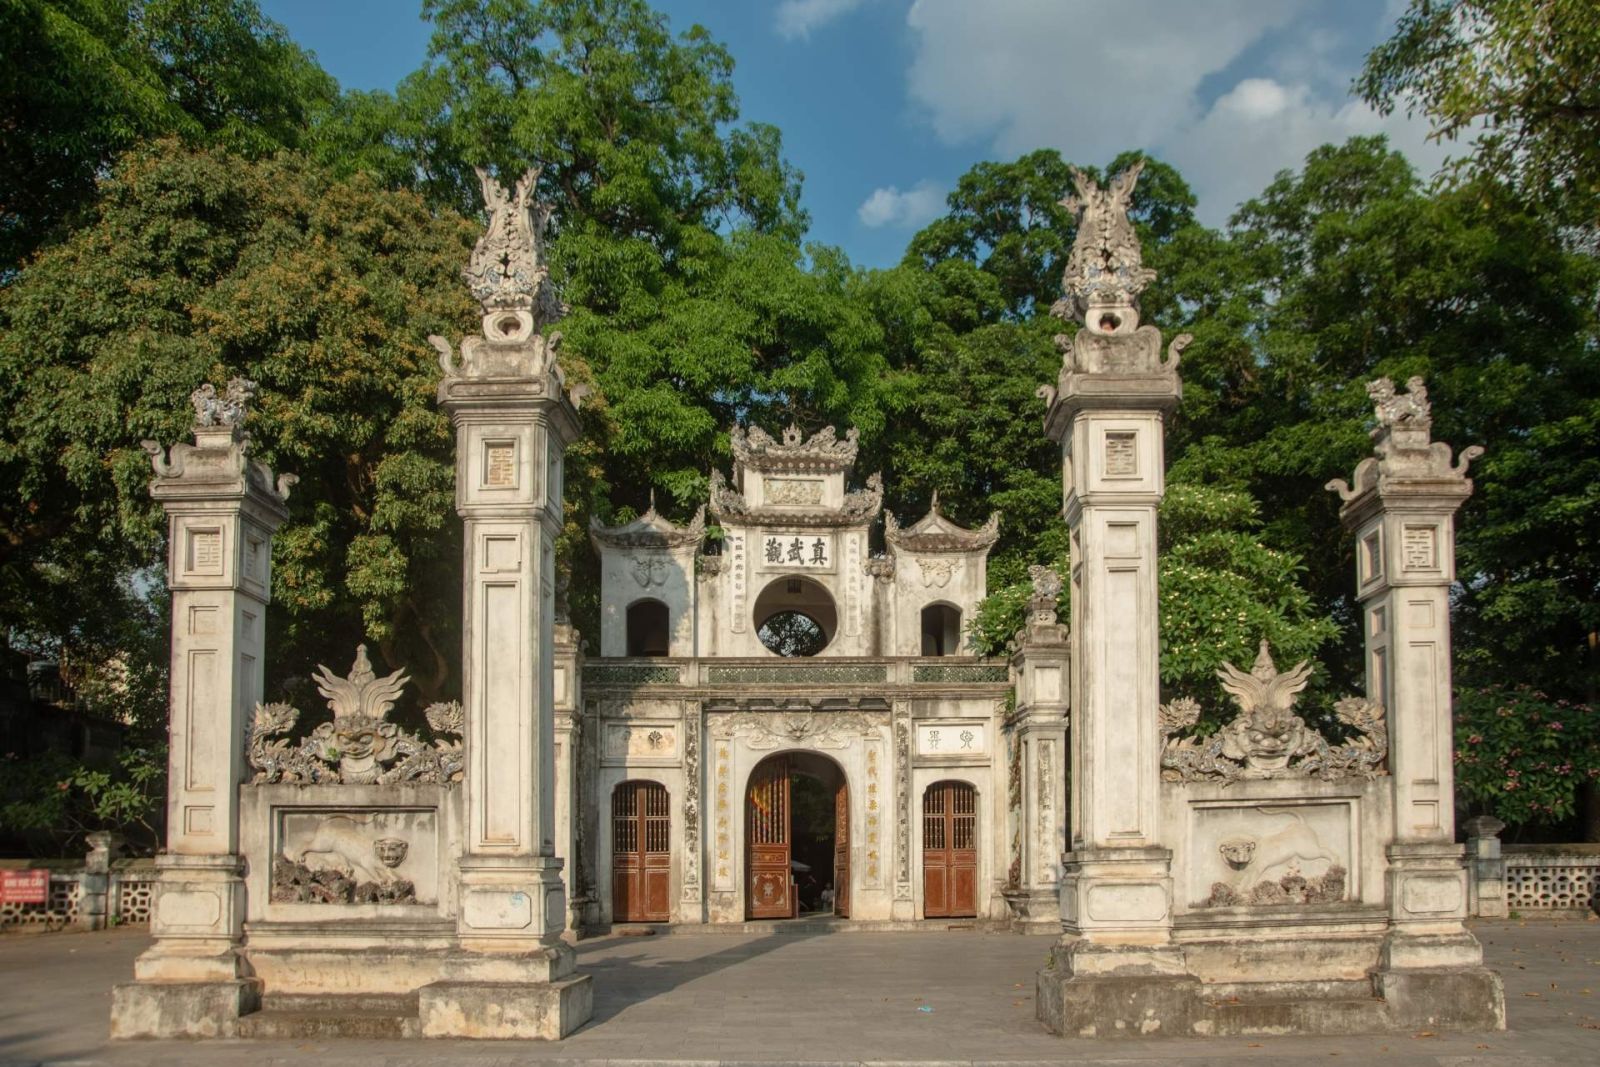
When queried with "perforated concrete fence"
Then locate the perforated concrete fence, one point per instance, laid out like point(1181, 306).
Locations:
point(86, 901)
point(1552, 877)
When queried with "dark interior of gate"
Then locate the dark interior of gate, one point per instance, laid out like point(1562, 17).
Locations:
point(798, 817)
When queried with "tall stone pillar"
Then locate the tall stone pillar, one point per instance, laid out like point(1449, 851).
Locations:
point(570, 801)
point(513, 420)
point(222, 510)
point(1116, 966)
point(1042, 669)
point(1402, 512)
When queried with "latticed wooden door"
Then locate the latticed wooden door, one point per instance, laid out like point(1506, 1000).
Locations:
point(641, 853)
point(949, 851)
point(841, 851)
point(771, 892)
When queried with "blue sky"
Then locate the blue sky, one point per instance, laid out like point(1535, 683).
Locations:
point(884, 104)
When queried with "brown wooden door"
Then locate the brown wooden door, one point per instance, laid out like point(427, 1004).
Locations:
point(841, 851)
point(949, 851)
point(641, 853)
point(767, 831)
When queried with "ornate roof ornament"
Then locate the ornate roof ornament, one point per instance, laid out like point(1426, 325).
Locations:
point(936, 533)
point(507, 271)
point(510, 276)
point(1267, 739)
point(1405, 452)
point(360, 745)
point(650, 530)
point(1104, 275)
point(221, 450)
point(1105, 270)
point(755, 449)
point(859, 506)
point(229, 409)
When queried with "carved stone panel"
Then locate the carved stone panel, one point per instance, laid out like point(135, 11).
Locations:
point(1264, 853)
point(646, 741)
point(952, 739)
point(386, 856)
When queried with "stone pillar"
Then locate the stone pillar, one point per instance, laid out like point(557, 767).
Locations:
point(569, 775)
point(1401, 512)
point(95, 905)
point(1486, 869)
point(222, 509)
point(1041, 668)
point(1116, 968)
point(513, 419)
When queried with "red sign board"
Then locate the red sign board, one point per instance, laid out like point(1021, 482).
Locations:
point(24, 887)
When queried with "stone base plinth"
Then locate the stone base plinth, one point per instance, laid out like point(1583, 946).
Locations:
point(1445, 998)
point(182, 1009)
point(506, 1010)
point(1033, 910)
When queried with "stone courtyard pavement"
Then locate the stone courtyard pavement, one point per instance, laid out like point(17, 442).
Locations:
point(947, 997)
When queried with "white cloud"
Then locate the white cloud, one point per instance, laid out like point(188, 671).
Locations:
point(1092, 79)
point(888, 206)
point(797, 18)
point(1262, 126)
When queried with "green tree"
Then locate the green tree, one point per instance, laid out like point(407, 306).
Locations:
point(1350, 269)
point(84, 80)
point(1517, 80)
point(197, 265)
point(676, 236)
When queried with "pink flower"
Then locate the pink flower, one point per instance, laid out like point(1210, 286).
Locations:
point(1555, 726)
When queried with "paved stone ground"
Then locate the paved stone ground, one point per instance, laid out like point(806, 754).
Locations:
point(839, 998)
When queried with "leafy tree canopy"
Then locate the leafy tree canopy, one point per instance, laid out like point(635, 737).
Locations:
point(1514, 79)
point(84, 80)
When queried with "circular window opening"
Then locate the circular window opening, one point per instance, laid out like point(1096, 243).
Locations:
point(795, 617)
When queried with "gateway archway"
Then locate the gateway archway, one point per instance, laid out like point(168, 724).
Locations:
point(797, 833)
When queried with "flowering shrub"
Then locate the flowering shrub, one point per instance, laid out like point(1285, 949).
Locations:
point(1520, 756)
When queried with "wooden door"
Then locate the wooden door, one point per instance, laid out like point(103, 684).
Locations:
point(641, 853)
point(841, 851)
point(767, 831)
point(949, 851)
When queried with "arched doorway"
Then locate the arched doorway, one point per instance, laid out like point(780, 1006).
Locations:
point(797, 833)
point(949, 851)
point(641, 853)
point(795, 616)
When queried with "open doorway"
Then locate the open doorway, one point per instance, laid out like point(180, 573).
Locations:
point(798, 819)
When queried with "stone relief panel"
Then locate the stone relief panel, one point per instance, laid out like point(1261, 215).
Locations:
point(355, 857)
point(1263, 854)
point(781, 729)
point(793, 492)
point(641, 741)
point(937, 571)
point(952, 739)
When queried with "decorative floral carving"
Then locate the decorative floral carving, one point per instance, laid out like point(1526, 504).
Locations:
point(1105, 267)
point(226, 410)
point(937, 572)
point(1403, 445)
point(1291, 888)
point(860, 505)
point(507, 271)
point(1266, 739)
point(360, 745)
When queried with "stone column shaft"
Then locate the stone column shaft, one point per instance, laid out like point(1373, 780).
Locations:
point(222, 510)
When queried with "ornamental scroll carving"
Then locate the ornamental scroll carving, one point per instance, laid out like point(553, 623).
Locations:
point(226, 410)
point(1266, 739)
point(360, 744)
